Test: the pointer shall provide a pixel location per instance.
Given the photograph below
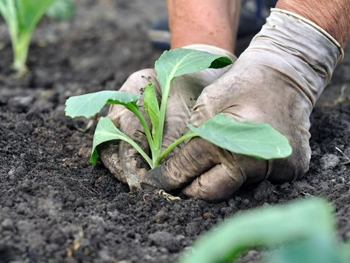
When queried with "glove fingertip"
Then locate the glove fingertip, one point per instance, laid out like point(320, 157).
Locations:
point(155, 179)
point(150, 179)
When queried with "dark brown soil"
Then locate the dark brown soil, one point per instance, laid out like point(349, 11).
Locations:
point(51, 198)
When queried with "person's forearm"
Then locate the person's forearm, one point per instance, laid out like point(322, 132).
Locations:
point(332, 16)
point(212, 22)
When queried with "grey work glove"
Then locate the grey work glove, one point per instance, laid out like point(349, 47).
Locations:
point(277, 80)
point(122, 160)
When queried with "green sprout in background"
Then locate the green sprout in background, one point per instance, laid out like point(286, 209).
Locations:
point(300, 232)
point(21, 17)
point(259, 140)
point(61, 10)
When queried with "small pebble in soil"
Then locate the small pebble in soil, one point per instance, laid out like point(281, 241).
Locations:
point(20, 104)
point(166, 240)
point(25, 226)
point(160, 217)
point(7, 224)
point(21, 170)
point(24, 127)
point(208, 215)
point(23, 209)
point(84, 152)
point(261, 192)
point(329, 161)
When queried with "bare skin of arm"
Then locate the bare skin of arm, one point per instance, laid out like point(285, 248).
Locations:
point(211, 22)
point(215, 22)
point(332, 16)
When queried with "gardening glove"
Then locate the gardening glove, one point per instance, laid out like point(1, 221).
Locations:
point(277, 80)
point(122, 160)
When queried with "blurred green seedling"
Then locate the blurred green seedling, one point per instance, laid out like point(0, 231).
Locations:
point(61, 10)
point(259, 140)
point(21, 17)
point(299, 232)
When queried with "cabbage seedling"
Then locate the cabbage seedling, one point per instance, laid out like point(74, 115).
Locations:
point(259, 140)
point(61, 10)
point(21, 17)
point(299, 232)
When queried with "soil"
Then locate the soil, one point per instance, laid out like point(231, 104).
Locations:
point(55, 207)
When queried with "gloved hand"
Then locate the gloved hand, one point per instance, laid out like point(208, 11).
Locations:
point(277, 80)
point(123, 160)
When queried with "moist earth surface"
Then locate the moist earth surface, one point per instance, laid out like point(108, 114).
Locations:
point(56, 207)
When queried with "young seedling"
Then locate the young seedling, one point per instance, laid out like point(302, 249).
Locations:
point(259, 140)
point(61, 10)
point(21, 17)
point(300, 232)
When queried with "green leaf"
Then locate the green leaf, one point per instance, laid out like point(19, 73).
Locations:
point(151, 106)
point(308, 250)
point(275, 225)
point(5, 10)
point(29, 12)
point(61, 10)
point(258, 140)
point(177, 62)
point(90, 104)
point(107, 131)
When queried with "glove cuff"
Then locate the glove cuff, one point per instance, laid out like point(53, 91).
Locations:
point(213, 50)
point(300, 50)
point(315, 26)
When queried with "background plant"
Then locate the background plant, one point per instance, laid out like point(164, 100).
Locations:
point(61, 10)
point(259, 140)
point(300, 232)
point(21, 17)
